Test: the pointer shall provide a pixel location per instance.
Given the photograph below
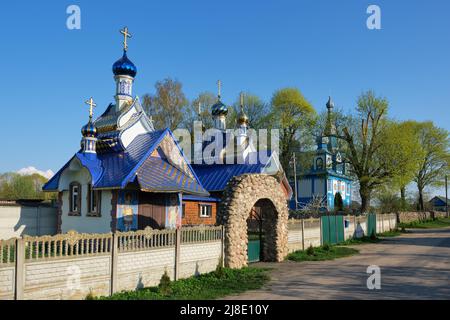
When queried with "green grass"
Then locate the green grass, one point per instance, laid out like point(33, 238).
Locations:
point(212, 285)
point(427, 224)
point(393, 233)
point(363, 240)
point(322, 253)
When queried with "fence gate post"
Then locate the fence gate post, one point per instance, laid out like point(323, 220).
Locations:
point(303, 234)
point(114, 256)
point(177, 252)
point(20, 266)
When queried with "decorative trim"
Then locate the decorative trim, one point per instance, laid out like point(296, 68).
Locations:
point(59, 213)
point(114, 198)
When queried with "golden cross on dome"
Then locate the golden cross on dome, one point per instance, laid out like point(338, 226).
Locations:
point(219, 87)
point(242, 100)
point(91, 105)
point(126, 35)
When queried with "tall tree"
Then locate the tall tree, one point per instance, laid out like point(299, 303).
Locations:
point(366, 144)
point(434, 145)
point(201, 104)
point(293, 115)
point(404, 149)
point(167, 106)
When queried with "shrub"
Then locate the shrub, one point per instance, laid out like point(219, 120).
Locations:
point(326, 247)
point(310, 250)
point(220, 272)
point(164, 284)
point(90, 295)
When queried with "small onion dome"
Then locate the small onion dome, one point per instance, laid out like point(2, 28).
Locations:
point(89, 130)
point(124, 67)
point(219, 109)
point(330, 103)
point(243, 119)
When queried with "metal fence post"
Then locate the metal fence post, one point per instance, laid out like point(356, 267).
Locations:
point(20, 266)
point(114, 256)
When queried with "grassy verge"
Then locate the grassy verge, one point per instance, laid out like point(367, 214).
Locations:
point(393, 233)
point(326, 252)
point(212, 285)
point(427, 224)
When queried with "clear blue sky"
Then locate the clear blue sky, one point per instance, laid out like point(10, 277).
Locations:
point(322, 47)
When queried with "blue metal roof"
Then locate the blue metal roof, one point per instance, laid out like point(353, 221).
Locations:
point(117, 169)
point(216, 176)
point(157, 174)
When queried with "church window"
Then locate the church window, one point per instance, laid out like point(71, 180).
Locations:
point(75, 199)
point(94, 197)
point(205, 210)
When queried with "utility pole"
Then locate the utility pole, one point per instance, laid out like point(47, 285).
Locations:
point(295, 180)
point(446, 197)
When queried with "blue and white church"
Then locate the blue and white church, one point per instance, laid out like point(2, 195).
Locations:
point(328, 174)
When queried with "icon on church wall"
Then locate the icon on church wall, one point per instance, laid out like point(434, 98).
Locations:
point(173, 217)
point(127, 211)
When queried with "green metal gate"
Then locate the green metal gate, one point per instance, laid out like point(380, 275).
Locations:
point(371, 224)
point(332, 229)
point(254, 250)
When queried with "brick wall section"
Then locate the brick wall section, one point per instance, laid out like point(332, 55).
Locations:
point(192, 214)
point(312, 232)
point(58, 279)
point(7, 282)
point(199, 258)
point(406, 217)
point(145, 268)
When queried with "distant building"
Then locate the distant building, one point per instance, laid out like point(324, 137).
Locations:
point(438, 203)
point(328, 173)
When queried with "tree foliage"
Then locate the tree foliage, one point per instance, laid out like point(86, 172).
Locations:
point(367, 145)
point(167, 106)
point(434, 146)
point(293, 115)
point(14, 186)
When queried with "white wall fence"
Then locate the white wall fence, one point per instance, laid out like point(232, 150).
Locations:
point(17, 219)
point(72, 265)
point(306, 232)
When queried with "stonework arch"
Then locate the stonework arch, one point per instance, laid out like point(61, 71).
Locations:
point(239, 197)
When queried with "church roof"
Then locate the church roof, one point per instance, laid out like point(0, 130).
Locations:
point(117, 169)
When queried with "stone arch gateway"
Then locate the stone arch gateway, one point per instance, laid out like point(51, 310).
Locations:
point(240, 195)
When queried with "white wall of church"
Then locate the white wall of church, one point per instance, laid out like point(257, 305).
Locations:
point(83, 223)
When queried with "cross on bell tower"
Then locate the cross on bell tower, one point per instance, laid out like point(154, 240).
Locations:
point(126, 35)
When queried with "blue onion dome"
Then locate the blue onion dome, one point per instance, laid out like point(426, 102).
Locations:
point(89, 130)
point(219, 109)
point(124, 67)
